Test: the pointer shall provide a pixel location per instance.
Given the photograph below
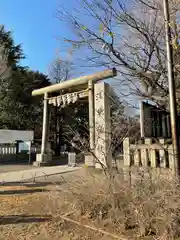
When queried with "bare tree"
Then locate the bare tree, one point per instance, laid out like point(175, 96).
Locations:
point(60, 70)
point(128, 35)
point(108, 148)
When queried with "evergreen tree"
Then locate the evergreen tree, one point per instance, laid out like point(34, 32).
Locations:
point(19, 110)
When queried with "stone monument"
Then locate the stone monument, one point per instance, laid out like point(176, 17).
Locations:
point(103, 153)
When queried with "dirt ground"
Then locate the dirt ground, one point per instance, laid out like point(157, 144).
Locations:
point(33, 210)
point(4, 168)
point(50, 208)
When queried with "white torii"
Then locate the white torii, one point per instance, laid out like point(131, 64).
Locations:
point(87, 84)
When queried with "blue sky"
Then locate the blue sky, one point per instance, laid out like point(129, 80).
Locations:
point(35, 26)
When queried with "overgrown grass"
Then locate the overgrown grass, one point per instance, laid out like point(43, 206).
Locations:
point(148, 207)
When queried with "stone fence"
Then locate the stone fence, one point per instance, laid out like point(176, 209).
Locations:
point(157, 153)
point(9, 154)
point(4, 150)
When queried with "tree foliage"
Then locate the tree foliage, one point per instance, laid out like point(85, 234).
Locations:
point(10, 52)
point(19, 110)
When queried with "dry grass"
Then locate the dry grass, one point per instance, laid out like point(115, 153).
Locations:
point(143, 207)
point(147, 208)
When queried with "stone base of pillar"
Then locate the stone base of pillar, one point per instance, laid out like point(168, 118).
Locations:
point(43, 160)
point(89, 160)
point(71, 159)
point(98, 166)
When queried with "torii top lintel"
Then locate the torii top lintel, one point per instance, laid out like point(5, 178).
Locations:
point(77, 82)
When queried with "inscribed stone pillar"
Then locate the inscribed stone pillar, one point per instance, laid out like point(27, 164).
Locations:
point(102, 93)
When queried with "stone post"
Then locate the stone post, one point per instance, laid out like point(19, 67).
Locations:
point(137, 157)
point(162, 154)
point(153, 158)
point(126, 152)
point(144, 155)
point(103, 125)
point(45, 157)
point(150, 152)
point(171, 158)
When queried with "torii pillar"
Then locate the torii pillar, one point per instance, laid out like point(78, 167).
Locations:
point(45, 157)
point(89, 159)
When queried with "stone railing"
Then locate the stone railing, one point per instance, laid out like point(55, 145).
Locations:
point(7, 150)
point(148, 153)
point(8, 154)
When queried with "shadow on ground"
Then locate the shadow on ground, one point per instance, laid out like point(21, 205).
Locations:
point(32, 184)
point(22, 191)
point(15, 219)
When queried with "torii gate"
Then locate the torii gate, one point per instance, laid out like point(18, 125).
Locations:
point(98, 96)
